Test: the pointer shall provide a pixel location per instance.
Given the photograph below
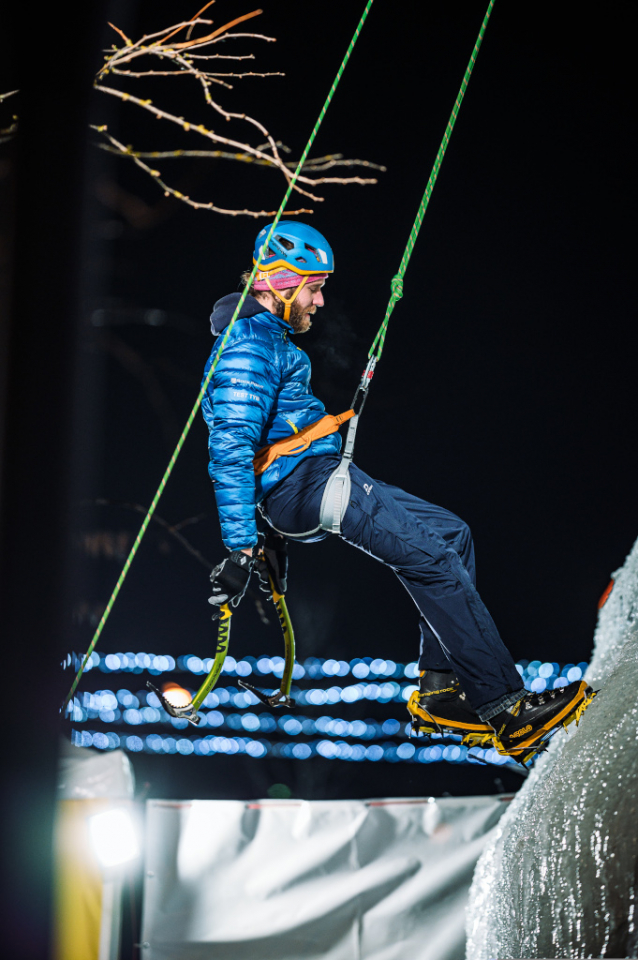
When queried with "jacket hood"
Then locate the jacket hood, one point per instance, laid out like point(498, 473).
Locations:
point(223, 311)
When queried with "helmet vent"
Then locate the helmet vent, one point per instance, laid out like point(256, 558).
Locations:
point(287, 244)
point(313, 251)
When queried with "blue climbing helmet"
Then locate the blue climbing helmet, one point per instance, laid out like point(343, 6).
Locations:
point(294, 246)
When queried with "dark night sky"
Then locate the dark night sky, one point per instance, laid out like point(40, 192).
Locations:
point(505, 391)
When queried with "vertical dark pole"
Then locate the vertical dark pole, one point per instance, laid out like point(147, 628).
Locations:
point(55, 54)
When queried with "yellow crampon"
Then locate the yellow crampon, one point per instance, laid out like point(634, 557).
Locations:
point(424, 723)
point(525, 754)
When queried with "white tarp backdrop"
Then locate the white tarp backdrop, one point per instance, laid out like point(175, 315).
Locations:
point(303, 880)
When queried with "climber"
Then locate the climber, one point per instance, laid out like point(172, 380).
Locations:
point(260, 397)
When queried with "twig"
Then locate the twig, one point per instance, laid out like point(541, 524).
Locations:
point(173, 529)
point(187, 58)
point(197, 205)
point(216, 33)
point(192, 20)
point(232, 36)
point(184, 73)
point(198, 14)
point(322, 163)
point(186, 126)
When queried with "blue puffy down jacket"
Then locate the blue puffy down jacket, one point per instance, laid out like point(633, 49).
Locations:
point(260, 392)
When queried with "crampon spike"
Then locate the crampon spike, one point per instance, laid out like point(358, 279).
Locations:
point(186, 712)
point(276, 699)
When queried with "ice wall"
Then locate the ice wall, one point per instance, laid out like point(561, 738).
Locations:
point(560, 877)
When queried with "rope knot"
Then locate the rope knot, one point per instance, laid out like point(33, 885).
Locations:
point(396, 285)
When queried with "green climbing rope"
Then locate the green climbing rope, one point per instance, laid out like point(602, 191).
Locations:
point(396, 284)
point(204, 387)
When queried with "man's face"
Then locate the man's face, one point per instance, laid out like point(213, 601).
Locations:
point(305, 305)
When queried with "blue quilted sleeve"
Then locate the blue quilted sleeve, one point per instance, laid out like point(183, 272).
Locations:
point(237, 406)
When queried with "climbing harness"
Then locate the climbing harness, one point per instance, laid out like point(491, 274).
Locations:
point(279, 698)
point(208, 378)
point(299, 441)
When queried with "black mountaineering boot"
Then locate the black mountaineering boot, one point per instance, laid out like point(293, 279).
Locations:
point(440, 706)
point(524, 729)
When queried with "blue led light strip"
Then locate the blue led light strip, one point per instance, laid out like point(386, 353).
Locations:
point(537, 675)
point(143, 709)
point(405, 752)
point(103, 707)
point(228, 697)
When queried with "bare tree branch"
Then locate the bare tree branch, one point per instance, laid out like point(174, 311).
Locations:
point(197, 205)
point(174, 51)
point(178, 58)
point(174, 530)
point(316, 165)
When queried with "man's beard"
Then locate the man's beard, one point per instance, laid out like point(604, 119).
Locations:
point(297, 319)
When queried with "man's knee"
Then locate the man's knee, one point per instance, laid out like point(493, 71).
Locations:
point(465, 534)
point(464, 545)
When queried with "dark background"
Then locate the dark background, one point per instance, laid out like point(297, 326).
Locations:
point(506, 390)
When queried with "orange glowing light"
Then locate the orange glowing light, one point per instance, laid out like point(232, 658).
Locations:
point(177, 696)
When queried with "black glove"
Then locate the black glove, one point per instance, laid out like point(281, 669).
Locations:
point(230, 579)
point(272, 563)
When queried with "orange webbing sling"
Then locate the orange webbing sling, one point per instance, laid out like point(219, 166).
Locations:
point(300, 441)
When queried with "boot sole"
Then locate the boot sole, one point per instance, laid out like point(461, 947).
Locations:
point(538, 741)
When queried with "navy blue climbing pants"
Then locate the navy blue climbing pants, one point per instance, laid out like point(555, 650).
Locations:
point(432, 553)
